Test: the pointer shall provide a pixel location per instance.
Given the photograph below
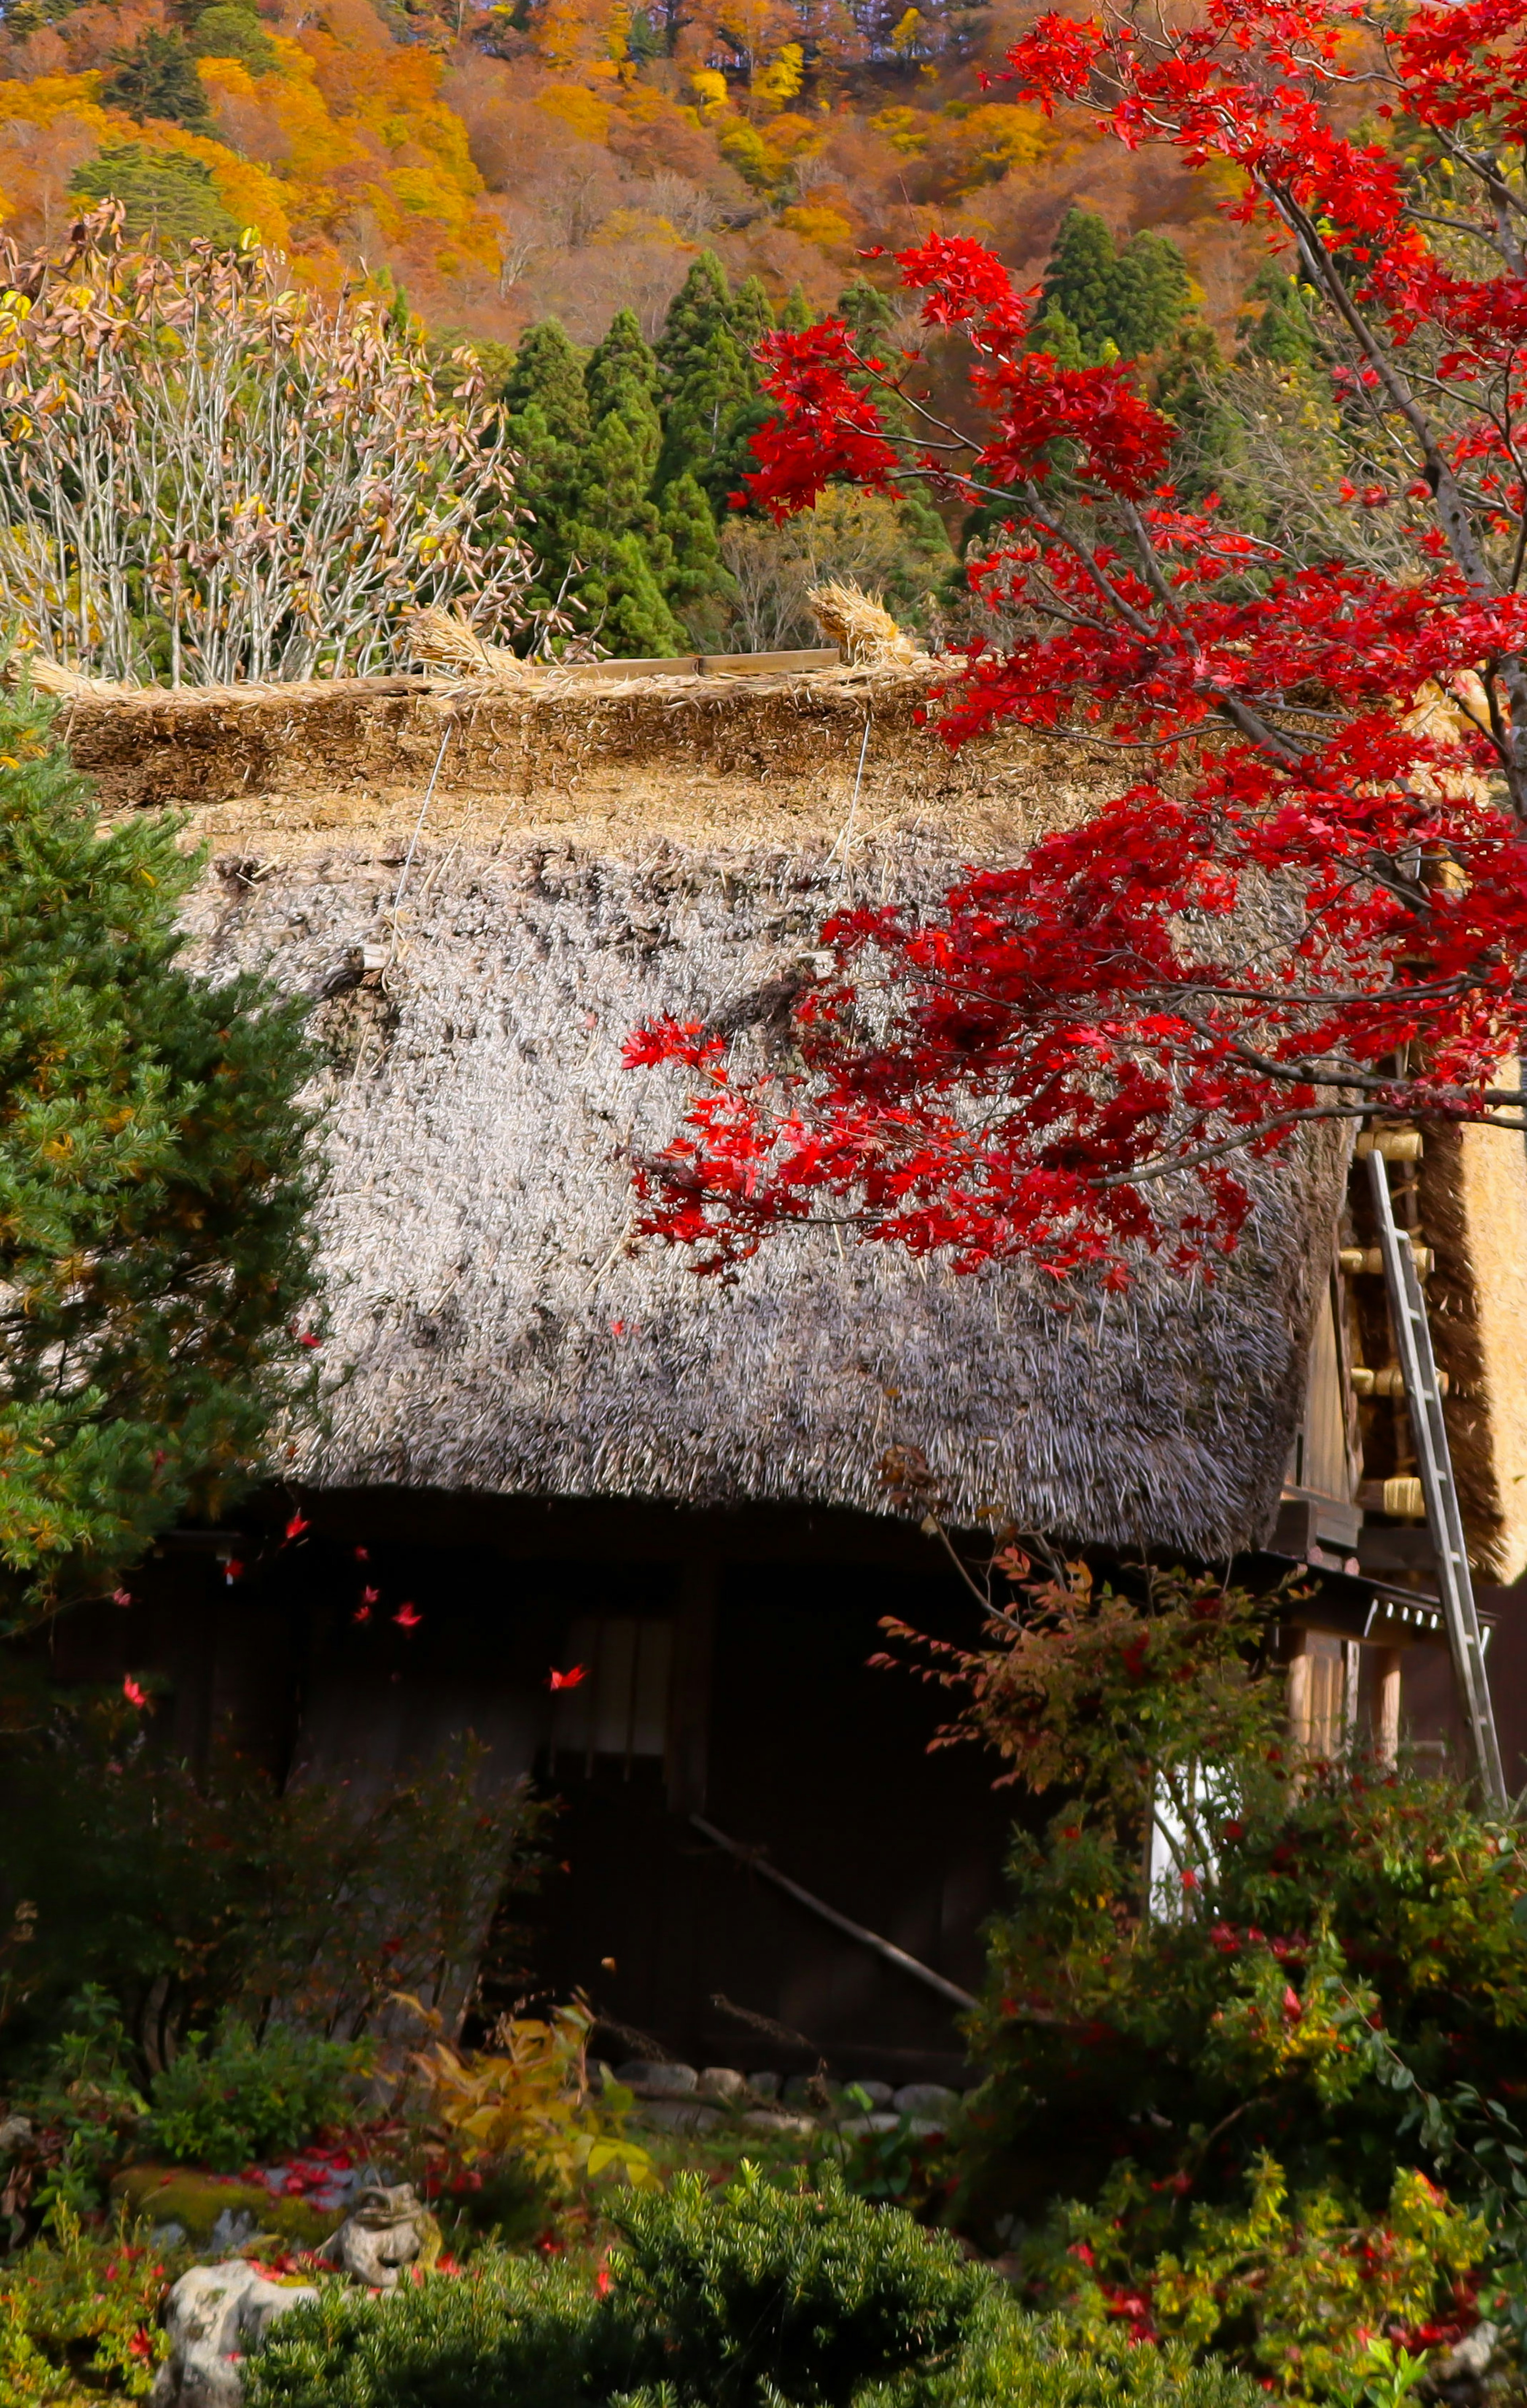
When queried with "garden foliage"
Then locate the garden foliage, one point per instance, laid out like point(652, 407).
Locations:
point(528, 2098)
point(80, 2316)
point(185, 1895)
point(228, 2101)
point(1266, 2101)
point(155, 1259)
point(740, 2299)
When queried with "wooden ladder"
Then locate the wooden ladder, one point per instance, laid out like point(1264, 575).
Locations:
point(1444, 1520)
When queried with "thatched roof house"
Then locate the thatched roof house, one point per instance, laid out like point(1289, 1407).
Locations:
point(489, 886)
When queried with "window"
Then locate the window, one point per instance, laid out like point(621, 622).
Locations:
point(620, 1708)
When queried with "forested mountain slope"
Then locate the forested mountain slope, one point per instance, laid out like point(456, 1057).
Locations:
point(505, 163)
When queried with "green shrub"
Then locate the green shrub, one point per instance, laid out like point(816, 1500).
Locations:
point(749, 2296)
point(510, 2329)
point(769, 2294)
point(230, 2099)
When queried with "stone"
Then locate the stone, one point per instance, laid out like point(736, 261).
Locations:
point(926, 2098)
point(386, 2229)
point(1467, 2364)
point(921, 2128)
point(879, 2094)
point(681, 2115)
point(763, 2086)
point(723, 2081)
point(883, 2122)
point(773, 2119)
point(214, 2317)
point(660, 2081)
point(15, 2131)
point(168, 2236)
point(235, 2227)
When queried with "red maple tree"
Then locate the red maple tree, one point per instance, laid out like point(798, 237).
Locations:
point(1312, 904)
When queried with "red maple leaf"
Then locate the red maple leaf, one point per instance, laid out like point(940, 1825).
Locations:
point(568, 1680)
point(135, 1695)
point(407, 1617)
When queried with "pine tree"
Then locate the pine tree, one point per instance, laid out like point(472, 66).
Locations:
point(169, 198)
point(157, 77)
point(154, 1251)
point(710, 384)
point(697, 586)
point(228, 31)
point(797, 313)
point(546, 422)
point(1079, 279)
point(1134, 297)
point(1152, 294)
point(618, 532)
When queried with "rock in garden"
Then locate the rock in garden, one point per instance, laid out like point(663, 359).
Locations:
point(773, 2119)
point(659, 2081)
point(883, 2122)
point(387, 2228)
point(214, 2317)
point(723, 2081)
point(763, 2086)
point(879, 2094)
point(926, 2098)
point(681, 2115)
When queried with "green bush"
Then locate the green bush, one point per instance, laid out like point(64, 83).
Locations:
point(753, 2296)
point(750, 2295)
point(770, 2295)
point(232, 2098)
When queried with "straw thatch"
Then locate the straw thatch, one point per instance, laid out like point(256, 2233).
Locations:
point(591, 854)
point(862, 628)
point(503, 1332)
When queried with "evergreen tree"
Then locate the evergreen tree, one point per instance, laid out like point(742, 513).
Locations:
point(156, 77)
point(1133, 297)
point(1079, 278)
point(1152, 294)
point(796, 314)
point(169, 198)
point(621, 593)
point(710, 383)
point(752, 315)
point(546, 422)
point(227, 32)
point(618, 532)
point(699, 586)
point(155, 1252)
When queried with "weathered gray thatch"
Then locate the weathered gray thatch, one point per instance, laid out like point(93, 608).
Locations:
point(503, 1338)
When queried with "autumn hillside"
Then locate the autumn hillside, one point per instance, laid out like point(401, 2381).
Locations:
point(561, 157)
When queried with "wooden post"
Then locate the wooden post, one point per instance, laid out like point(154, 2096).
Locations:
point(689, 1709)
point(1301, 1664)
point(1387, 1662)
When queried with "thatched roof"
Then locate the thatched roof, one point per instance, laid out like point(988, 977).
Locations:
point(588, 860)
